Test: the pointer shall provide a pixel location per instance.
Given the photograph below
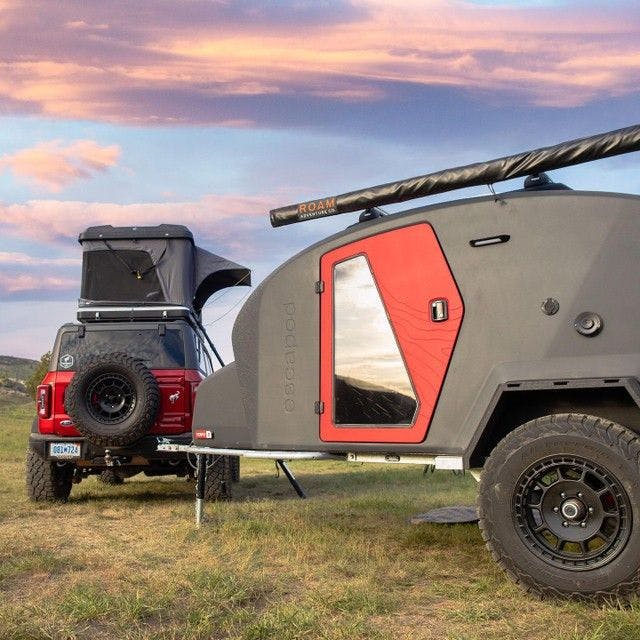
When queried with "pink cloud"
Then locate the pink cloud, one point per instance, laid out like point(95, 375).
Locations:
point(81, 24)
point(142, 62)
point(221, 217)
point(24, 283)
point(17, 259)
point(228, 224)
point(53, 165)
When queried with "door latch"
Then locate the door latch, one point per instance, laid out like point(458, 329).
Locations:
point(439, 310)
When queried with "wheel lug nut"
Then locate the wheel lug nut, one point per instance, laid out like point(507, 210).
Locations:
point(556, 509)
point(565, 524)
point(583, 524)
point(590, 509)
point(579, 494)
point(563, 495)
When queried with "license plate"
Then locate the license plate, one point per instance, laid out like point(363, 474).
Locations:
point(65, 449)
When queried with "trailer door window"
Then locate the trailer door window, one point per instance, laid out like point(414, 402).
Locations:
point(371, 383)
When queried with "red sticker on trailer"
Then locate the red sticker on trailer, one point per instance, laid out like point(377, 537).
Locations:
point(203, 434)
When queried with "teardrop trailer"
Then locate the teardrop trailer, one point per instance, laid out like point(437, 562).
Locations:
point(494, 333)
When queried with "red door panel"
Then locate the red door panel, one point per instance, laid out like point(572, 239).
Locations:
point(409, 271)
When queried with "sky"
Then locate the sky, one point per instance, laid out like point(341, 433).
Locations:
point(365, 352)
point(211, 112)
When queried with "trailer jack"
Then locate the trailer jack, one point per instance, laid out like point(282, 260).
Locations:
point(201, 474)
point(291, 478)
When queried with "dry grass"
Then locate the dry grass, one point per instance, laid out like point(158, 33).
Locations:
point(127, 562)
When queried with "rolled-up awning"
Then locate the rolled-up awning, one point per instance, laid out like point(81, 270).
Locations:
point(565, 154)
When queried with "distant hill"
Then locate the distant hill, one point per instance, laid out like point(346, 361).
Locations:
point(16, 368)
point(364, 402)
point(13, 374)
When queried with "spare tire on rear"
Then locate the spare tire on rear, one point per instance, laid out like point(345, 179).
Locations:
point(113, 399)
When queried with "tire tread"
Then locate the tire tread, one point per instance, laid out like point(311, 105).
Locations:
point(607, 432)
point(218, 479)
point(46, 481)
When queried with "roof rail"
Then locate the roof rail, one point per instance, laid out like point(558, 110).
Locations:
point(565, 154)
point(131, 313)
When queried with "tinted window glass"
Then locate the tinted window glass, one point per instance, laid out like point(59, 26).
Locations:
point(155, 350)
point(371, 383)
point(204, 360)
point(120, 276)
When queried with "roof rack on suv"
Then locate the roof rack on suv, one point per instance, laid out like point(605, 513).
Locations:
point(100, 314)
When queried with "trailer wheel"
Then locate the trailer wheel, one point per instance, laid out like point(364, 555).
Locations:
point(218, 479)
point(47, 480)
point(559, 500)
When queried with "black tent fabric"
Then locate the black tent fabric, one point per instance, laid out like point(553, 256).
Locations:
point(152, 265)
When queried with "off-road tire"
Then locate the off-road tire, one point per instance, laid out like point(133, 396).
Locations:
point(217, 484)
point(110, 477)
point(145, 402)
point(234, 462)
point(48, 481)
point(609, 451)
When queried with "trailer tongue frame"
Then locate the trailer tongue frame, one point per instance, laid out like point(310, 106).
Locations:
point(451, 463)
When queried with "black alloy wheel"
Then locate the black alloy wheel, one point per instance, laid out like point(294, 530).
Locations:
point(559, 507)
point(110, 398)
point(572, 513)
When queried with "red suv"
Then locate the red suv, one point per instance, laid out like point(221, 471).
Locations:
point(124, 377)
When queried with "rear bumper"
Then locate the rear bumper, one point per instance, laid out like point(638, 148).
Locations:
point(144, 448)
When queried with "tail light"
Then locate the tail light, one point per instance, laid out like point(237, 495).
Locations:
point(43, 401)
point(194, 386)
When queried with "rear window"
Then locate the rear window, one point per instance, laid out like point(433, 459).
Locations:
point(156, 351)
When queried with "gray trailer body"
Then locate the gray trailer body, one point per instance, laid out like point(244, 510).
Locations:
point(496, 332)
point(577, 248)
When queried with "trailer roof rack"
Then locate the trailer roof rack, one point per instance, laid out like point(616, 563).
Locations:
point(565, 154)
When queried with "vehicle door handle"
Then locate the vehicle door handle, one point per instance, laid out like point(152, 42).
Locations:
point(439, 310)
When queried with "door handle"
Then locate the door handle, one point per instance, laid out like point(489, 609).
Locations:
point(439, 310)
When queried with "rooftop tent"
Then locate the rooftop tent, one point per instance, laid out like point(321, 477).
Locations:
point(152, 265)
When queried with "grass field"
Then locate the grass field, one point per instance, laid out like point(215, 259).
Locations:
point(127, 562)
